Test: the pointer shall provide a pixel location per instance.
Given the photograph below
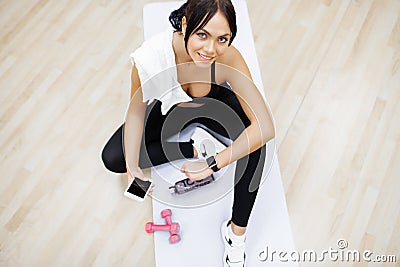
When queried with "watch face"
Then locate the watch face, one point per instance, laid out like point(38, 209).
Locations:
point(210, 161)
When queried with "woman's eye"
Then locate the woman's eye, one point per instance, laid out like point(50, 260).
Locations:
point(222, 40)
point(201, 35)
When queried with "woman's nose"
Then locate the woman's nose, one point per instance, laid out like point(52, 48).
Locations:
point(210, 48)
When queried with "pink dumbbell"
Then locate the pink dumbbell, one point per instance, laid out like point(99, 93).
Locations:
point(172, 228)
point(166, 214)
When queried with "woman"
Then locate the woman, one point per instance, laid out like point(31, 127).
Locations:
point(194, 75)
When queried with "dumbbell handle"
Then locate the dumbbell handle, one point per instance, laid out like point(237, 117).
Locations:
point(172, 228)
point(162, 227)
point(168, 220)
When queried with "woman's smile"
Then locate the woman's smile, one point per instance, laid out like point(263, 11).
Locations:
point(204, 57)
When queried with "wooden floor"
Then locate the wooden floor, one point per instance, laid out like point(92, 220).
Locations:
point(331, 70)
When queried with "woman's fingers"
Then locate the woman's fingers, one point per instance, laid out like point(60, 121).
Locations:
point(150, 192)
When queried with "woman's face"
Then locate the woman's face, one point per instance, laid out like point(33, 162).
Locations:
point(209, 42)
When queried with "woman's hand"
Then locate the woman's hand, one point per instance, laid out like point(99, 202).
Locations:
point(135, 172)
point(196, 170)
point(138, 173)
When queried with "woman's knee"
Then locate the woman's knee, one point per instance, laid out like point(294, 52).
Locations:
point(112, 161)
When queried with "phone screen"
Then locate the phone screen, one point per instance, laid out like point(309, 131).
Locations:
point(139, 187)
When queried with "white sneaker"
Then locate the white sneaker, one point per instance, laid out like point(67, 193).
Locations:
point(206, 144)
point(234, 255)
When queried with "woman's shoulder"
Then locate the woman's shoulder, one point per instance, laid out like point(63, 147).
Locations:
point(154, 54)
point(230, 57)
point(231, 60)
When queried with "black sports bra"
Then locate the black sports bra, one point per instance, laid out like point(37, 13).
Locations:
point(212, 84)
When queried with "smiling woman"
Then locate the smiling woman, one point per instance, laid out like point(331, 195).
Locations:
point(335, 100)
point(194, 75)
point(209, 42)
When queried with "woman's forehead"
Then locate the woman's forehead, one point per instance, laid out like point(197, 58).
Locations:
point(217, 25)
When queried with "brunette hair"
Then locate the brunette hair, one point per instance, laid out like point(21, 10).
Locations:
point(199, 12)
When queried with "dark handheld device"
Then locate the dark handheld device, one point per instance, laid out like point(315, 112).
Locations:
point(138, 189)
point(187, 185)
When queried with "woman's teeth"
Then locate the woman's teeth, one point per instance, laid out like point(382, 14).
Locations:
point(204, 57)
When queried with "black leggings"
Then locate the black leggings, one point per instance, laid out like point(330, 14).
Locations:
point(221, 112)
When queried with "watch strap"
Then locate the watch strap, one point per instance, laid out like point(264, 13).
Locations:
point(212, 163)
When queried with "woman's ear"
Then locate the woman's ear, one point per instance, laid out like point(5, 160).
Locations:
point(183, 23)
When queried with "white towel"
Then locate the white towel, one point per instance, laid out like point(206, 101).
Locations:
point(155, 62)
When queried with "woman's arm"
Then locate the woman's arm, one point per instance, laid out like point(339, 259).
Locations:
point(133, 129)
point(261, 128)
point(234, 70)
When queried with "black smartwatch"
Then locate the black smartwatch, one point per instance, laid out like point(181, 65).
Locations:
point(212, 163)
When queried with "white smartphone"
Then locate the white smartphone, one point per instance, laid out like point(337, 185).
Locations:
point(138, 189)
